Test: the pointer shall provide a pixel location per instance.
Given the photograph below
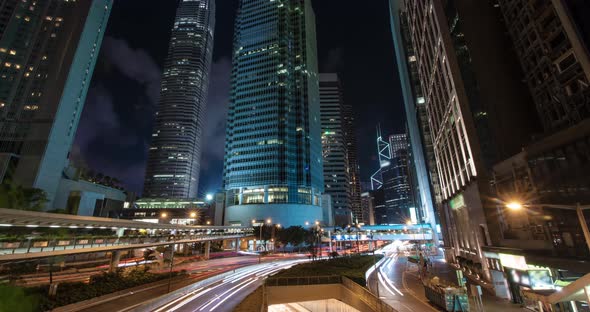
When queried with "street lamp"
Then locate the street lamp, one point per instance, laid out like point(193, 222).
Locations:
point(515, 205)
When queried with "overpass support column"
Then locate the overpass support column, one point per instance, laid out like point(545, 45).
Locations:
point(207, 249)
point(115, 258)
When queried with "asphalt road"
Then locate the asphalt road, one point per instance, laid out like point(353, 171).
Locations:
point(387, 280)
point(222, 295)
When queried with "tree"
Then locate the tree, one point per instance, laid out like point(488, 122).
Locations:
point(16, 299)
point(14, 196)
point(99, 177)
point(35, 199)
point(107, 181)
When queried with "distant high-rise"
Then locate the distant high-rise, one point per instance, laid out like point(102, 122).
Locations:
point(175, 151)
point(399, 205)
point(48, 49)
point(273, 151)
point(334, 147)
point(353, 165)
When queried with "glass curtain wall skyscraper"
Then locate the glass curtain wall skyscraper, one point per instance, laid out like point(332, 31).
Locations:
point(353, 165)
point(334, 148)
point(175, 151)
point(273, 157)
point(48, 49)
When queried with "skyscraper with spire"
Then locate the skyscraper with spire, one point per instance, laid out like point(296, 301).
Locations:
point(273, 151)
point(175, 151)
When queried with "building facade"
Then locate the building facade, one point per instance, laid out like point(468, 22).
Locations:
point(175, 151)
point(551, 40)
point(371, 201)
point(353, 165)
point(426, 186)
point(334, 147)
point(473, 94)
point(273, 151)
point(48, 50)
point(397, 191)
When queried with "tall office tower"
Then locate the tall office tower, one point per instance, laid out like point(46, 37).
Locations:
point(175, 152)
point(552, 39)
point(371, 201)
point(48, 49)
point(334, 148)
point(423, 164)
point(399, 204)
point(353, 166)
point(273, 152)
point(474, 97)
point(384, 156)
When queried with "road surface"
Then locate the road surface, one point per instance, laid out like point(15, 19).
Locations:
point(387, 281)
point(222, 295)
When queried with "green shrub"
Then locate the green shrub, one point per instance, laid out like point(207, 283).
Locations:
point(353, 267)
point(99, 285)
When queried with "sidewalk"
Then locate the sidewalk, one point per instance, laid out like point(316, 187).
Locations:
point(446, 272)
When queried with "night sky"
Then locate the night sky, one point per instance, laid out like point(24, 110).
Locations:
point(113, 135)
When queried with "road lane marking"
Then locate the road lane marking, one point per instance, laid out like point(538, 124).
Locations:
point(233, 293)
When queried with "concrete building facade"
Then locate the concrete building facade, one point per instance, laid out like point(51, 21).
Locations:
point(48, 49)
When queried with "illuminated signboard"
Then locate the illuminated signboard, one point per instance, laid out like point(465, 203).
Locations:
point(513, 261)
point(457, 202)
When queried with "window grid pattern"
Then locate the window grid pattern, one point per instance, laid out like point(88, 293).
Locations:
point(175, 152)
point(454, 159)
point(554, 74)
point(273, 128)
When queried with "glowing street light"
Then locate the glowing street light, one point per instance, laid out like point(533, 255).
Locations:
point(193, 214)
point(209, 197)
point(514, 206)
point(164, 215)
point(577, 207)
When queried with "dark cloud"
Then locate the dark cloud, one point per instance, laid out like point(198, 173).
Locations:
point(116, 122)
point(214, 138)
point(135, 64)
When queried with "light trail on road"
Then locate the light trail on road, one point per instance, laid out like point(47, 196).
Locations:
point(225, 294)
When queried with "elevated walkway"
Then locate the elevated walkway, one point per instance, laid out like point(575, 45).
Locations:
point(124, 235)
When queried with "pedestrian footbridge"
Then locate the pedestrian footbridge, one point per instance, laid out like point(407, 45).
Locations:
point(28, 235)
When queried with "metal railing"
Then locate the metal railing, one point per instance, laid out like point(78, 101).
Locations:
point(303, 280)
point(365, 295)
point(24, 246)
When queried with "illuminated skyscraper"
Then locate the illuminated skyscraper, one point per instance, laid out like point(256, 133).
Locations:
point(48, 49)
point(175, 151)
point(334, 147)
point(349, 126)
point(273, 152)
point(399, 205)
point(473, 94)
